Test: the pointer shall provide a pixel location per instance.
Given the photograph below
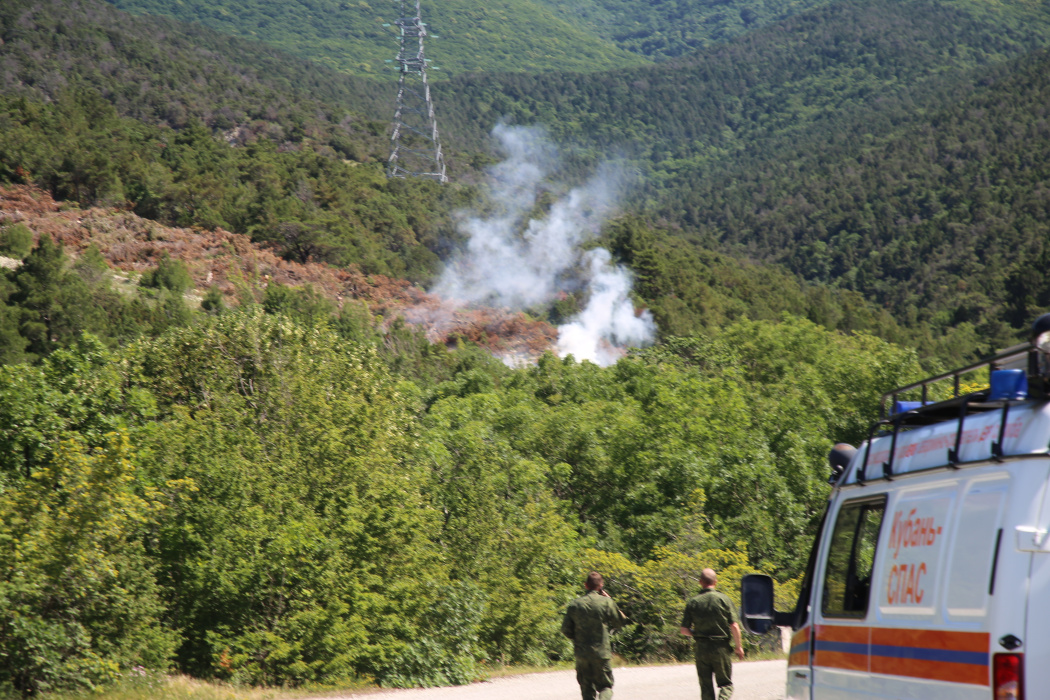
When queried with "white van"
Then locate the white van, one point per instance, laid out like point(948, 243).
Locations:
point(930, 576)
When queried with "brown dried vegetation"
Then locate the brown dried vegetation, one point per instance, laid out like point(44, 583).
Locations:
point(241, 270)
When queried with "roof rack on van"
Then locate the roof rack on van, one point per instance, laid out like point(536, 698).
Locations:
point(1015, 374)
point(1021, 377)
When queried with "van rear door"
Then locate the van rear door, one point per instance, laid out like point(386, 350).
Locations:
point(1035, 639)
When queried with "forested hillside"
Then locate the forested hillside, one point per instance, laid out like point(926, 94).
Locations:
point(100, 107)
point(820, 72)
point(240, 473)
point(166, 72)
point(944, 221)
point(736, 140)
point(670, 28)
point(748, 148)
point(303, 175)
point(359, 38)
point(508, 35)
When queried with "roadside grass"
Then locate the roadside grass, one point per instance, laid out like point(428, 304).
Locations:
point(148, 686)
point(765, 656)
point(508, 671)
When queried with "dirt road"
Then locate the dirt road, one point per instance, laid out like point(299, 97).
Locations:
point(754, 680)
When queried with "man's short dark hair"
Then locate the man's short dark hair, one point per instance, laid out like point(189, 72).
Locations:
point(594, 581)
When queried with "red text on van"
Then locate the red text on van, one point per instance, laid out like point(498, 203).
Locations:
point(910, 532)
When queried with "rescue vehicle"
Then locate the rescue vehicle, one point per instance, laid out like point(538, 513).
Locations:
point(930, 574)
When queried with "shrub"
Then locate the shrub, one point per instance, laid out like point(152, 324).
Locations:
point(16, 241)
point(78, 603)
point(170, 273)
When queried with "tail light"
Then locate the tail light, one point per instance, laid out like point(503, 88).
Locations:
point(1008, 677)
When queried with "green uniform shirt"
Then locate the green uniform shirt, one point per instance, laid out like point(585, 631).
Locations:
point(588, 621)
point(709, 615)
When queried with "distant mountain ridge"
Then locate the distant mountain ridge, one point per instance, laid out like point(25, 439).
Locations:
point(842, 57)
point(662, 29)
point(358, 37)
point(528, 36)
point(162, 71)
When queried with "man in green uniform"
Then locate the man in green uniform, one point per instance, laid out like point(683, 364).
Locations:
point(587, 622)
point(710, 619)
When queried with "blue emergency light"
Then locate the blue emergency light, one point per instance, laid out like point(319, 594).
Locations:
point(905, 406)
point(1008, 385)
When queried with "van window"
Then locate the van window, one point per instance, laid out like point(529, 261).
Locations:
point(973, 550)
point(805, 593)
point(851, 558)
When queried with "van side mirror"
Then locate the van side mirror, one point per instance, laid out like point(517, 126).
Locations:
point(756, 599)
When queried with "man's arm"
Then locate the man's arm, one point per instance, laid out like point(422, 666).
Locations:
point(735, 629)
point(686, 627)
point(568, 626)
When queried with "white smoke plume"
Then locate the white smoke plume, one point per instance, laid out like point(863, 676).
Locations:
point(609, 323)
point(518, 259)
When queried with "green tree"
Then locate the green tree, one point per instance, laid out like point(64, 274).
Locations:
point(502, 528)
point(304, 555)
point(12, 344)
point(304, 304)
point(77, 393)
point(16, 240)
point(42, 293)
point(78, 603)
point(170, 273)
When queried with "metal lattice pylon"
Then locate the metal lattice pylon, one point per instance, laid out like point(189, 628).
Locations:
point(415, 150)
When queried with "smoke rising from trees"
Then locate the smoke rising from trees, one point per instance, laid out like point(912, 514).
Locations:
point(522, 253)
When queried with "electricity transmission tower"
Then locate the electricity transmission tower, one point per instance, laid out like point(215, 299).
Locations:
point(414, 147)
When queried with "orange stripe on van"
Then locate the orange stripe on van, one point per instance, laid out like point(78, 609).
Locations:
point(840, 660)
point(931, 670)
point(960, 641)
point(958, 657)
point(798, 652)
point(856, 635)
point(841, 647)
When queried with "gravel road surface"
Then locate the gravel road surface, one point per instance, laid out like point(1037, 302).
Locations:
point(754, 680)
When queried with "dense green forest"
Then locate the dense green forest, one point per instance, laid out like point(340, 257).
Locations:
point(670, 28)
point(820, 72)
point(944, 222)
point(743, 147)
point(848, 165)
point(526, 36)
point(360, 38)
point(507, 35)
point(257, 496)
point(304, 176)
point(166, 72)
point(305, 201)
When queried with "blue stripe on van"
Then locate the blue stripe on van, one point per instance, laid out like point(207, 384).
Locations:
point(927, 654)
point(842, 647)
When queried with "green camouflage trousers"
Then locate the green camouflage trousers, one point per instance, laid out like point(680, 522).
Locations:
point(714, 658)
point(595, 678)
